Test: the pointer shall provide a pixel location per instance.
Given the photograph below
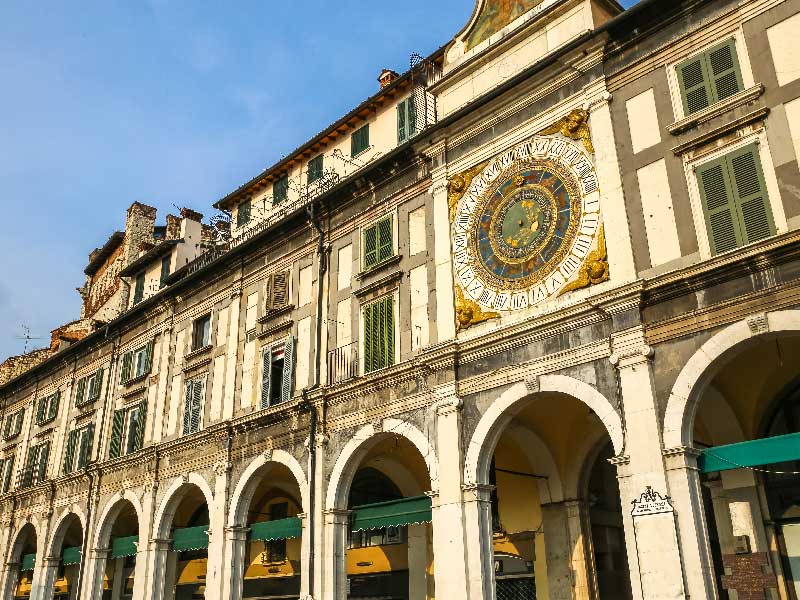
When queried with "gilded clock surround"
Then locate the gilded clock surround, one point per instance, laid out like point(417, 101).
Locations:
point(526, 225)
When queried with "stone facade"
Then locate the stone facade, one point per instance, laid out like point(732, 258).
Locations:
point(467, 449)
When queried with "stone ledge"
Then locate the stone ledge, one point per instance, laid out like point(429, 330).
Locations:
point(716, 109)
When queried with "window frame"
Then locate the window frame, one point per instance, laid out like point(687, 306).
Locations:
point(403, 116)
point(280, 189)
point(74, 458)
point(393, 357)
point(201, 382)
point(391, 217)
point(759, 137)
point(51, 413)
point(38, 469)
point(315, 168)
point(196, 342)
point(17, 417)
point(128, 370)
point(166, 264)
point(7, 464)
point(356, 141)
point(138, 289)
point(120, 441)
point(287, 351)
point(241, 221)
point(85, 385)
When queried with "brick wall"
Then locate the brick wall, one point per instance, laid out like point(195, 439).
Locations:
point(749, 575)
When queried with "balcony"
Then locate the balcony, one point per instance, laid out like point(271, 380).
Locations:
point(343, 363)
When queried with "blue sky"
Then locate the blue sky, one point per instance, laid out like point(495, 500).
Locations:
point(170, 102)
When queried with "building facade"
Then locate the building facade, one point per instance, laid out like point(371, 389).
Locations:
point(523, 324)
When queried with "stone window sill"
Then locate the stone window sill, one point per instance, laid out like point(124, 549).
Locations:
point(381, 266)
point(135, 380)
point(275, 313)
point(198, 352)
point(716, 109)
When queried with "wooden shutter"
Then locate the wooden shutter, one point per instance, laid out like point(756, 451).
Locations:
point(52, 408)
point(288, 370)
point(243, 213)
point(138, 292)
point(8, 469)
point(27, 474)
point(402, 124)
point(694, 83)
point(148, 353)
point(80, 392)
point(85, 450)
point(755, 214)
point(197, 405)
point(187, 407)
point(127, 365)
point(266, 376)
point(97, 385)
point(165, 263)
point(138, 442)
point(41, 410)
point(370, 246)
point(723, 67)
point(385, 239)
point(69, 453)
point(278, 290)
point(44, 454)
point(117, 425)
point(7, 427)
point(379, 334)
point(719, 207)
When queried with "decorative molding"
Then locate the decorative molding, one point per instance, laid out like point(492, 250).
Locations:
point(532, 383)
point(389, 279)
point(275, 313)
point(594, 269)
point(681, 451)
point(756, 115)
point(631, 356)
point(620, 461)
point(198, 352)
point(469, 312)
point(275, 329)
point(136, 391)
point(197, 365)
point(384, 265)
point(758, 324)
point(458, 185)
point(715, 110)
point(574, 126)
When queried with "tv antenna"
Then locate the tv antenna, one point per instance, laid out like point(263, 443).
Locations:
point(27, 336)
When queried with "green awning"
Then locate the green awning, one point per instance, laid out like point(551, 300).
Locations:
point(190, 538)
point(756, 453)
point(71, 556)
point(124, 546)
point(394, 513)
point(28, 562)
point(282, 529)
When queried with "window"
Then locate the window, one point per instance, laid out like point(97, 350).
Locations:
point(192, 411)
point(278, 290)
point(378, 537)
point(6, 472)
point(36, 465)
point(277, 373)
point(315, 168)
point(127, 430)
point(165, 263)
point(276, 549)
point(201, 334)
point(243, 213)
point(79, 449)
point(379, 334)
point(735, 201)
point(88, 388)
point(138, 291)
point(709, 77)
point(406, 120)
point(378, 240)
point(47, 408)
point(359, 141)
point(280, 189)
point(13, 425)
point(136, 363)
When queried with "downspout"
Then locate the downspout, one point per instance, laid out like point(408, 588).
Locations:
point(312, 438)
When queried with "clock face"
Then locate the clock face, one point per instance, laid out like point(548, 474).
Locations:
point(525, 224)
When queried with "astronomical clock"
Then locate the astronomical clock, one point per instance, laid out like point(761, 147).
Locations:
point(527, 225)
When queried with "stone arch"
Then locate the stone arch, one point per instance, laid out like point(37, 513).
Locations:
point(357, 447)
point(15, 548)
point(60, 530)
point(246, 487)
point(537, 453)
point(493, 422)
point(109, 515)
point(172, 499)
point(706, 362)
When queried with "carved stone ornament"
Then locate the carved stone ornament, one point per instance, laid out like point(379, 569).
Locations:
point(595, 269)
point(574, 126)
point(221, 467)
point(458, 185)
point(532, 383)
point(651, 502)
point(758, 324)
point(469, 313)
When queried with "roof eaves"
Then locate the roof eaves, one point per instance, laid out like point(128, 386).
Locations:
point(114, 240)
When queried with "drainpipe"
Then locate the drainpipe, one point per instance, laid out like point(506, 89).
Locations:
point(312, 439)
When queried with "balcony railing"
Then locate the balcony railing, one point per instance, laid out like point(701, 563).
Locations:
point(343, 363)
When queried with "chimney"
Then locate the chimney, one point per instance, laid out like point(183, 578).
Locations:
point(192, 215)
point(138, 230)
point(173, 227)
point(387, 77)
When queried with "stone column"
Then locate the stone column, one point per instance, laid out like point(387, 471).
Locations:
point(95, 569)
point(47, 578)
point(477, 501)
point(158, 584)
point(653, 552)
point(449, 549)
point(683, 477)
point(119, 579)
point(10, 577)
point(305, 555)
point(335, 559)
point(570, 564)
point(417, 562)
point(236, 551)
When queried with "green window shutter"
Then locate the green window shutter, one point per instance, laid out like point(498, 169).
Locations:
point(719, 207)
point(755, 214)
point(243, 213)
point(387, 331)
point(41, 410)
point(7, 427)
point(69, 453)
point(371, 254)
point(80, 392)
point(315, 168)
point(148, 361)
point(117, 424)
point(368, 343)
point(723, 67)
point(266, 376)
point(8, 470)
point(138, 442)
point(85, 450)
point(162, 280)
point(385, 239)
point(197, 405)
point(27, 474)
point(379, 334)
point(359, 141)
point(280, 189)
point(138, 292)
point(402, 123)
point(187, 408)
point(694, 83)
point(52, 411)
point(125, 371)
point(97, 385)
point(44, 454)
point(288, 369)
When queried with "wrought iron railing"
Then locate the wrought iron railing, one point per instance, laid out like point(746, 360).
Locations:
point(343, 363)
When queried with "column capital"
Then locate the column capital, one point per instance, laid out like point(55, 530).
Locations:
point(439, 187)
point(160, 545)
point(100, 552)
point(477, 492)
point(681, 457)
point(51, 561)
